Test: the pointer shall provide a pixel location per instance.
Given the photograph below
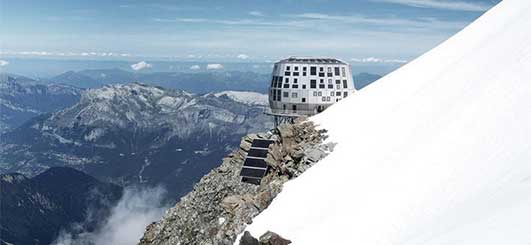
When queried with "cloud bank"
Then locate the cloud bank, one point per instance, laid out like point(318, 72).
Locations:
point(127, 222)
point(141, 66)
point(214, 66)
point(4, 62)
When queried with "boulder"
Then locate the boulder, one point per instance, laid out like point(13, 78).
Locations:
point(248, 239)
point(271, 238)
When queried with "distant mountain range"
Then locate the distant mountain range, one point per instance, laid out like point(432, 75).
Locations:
point(201, 82)
point(34, 210)
point(135, 134)
point(22, 98)
point(363, 79)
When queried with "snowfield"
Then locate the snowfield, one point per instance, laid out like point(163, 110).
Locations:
point(444, 156)
point(245, 97)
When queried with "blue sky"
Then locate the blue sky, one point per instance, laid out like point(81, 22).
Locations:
point(357, 30)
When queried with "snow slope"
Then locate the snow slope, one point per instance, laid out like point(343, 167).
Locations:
point(444, 156)
point(246, 97)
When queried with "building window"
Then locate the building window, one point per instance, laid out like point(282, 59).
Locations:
point(286, 80)
point(287, 68)
point(303, 100)
point(321, 69)
point(295, 73)
point(286, 85)
point(323, 98)
point(295, 80)
point(328, 98)
point(331, 86)
point(279, 84)
point(338, 81)
point(315, 93)
point(329, 74)
point(321, 74)
point(294, 107)
point(329, 69)
point(296, 68)
point(304, 73)
point(278, 95)
point(293, 95)
point(287, 73)
point(313, 83)
point(285, 94)
point(321, 85)
point(294, 86)
point(338, 86)
point(332, 93)
point(313, 71)
point(304, 86)
point(336, 71)
point(345, 84)
point(304, 68)
point(319, 93)
point(345, 94)
point(329, 81)
point(343, 72)
point(338, 93)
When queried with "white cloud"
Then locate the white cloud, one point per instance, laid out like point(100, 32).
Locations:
point(4, 62)
point(141, 65)
point(127, 222)
point(256, 13)
point(214, 66)
point(377, 60)
point(242, 56)
point(195, 67)
point(441, 4)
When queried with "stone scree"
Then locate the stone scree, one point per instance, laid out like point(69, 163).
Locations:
point(220, 205)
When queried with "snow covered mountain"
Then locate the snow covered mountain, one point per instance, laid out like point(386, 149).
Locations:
point(250, 98)
point(444, 154)
point(22, 98)
point(134, 134)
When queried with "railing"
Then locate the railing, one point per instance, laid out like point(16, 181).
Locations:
point(286, 112)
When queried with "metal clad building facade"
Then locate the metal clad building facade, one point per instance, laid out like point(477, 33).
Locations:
point(307, 86)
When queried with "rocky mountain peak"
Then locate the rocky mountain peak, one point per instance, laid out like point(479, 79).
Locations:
point(12, 178)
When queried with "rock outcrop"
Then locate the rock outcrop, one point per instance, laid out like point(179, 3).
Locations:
point(220, 205)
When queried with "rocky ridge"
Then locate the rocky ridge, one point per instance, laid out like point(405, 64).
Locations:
point(219, 207)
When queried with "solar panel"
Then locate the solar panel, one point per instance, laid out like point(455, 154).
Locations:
point(253, 172)
point(254, 162)
point(261, 153)
point(255, 181)
point(255, 167)
point(261, 143)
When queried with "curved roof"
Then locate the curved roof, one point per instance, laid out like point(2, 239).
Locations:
point(312, 60)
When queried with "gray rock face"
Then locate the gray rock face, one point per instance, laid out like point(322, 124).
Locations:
point(220, 205)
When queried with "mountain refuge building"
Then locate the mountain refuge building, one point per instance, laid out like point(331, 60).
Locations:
point(305, 86)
